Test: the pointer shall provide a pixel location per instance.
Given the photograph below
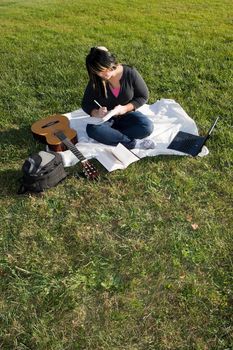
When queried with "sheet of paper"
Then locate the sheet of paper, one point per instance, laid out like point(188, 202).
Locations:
point(109, 115)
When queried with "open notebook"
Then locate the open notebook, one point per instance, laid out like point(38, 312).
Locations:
point(118, 157)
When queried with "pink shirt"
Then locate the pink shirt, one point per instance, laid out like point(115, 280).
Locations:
point(115, 91)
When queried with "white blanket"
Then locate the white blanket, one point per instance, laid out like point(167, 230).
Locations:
point(168, 118)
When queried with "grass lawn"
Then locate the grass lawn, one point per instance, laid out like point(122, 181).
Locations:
point(142, 259)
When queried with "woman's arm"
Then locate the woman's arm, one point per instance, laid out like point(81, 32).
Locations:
point(88, 104)
point(141, 92)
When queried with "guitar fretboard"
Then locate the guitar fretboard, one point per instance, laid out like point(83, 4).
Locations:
point(70, 145)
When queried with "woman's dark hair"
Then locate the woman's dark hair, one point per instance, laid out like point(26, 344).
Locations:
point(98, 59)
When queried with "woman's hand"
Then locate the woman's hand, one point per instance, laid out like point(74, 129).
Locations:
point(102, 111)
point(99, 113)
point(120, 110)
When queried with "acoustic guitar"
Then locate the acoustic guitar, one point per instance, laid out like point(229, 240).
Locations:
point(55, 131)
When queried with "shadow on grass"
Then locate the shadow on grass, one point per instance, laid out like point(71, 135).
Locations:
point(16, 145)
point(10, 182)
point(10, 179)
point(17, 137)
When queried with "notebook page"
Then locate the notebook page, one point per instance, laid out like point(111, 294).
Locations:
point(124, 155)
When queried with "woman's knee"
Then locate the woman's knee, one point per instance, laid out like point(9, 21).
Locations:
point(147, 126)
point(145, 123)
point(92, 130)
point(100, 133)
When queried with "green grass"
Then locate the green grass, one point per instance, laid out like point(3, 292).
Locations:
point(142, 259)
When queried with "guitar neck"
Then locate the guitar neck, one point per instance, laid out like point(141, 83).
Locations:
point(70, 146)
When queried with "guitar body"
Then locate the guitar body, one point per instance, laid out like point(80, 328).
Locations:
point(57, 134)
point(44, 130)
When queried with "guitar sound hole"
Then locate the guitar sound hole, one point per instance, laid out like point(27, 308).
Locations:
point(50, 124)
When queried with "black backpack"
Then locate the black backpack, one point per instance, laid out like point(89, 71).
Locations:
point(41, 171)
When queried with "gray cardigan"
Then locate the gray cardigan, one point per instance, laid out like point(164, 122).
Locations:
point(133, 90)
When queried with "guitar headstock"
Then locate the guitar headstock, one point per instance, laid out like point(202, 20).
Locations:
point(89, 170)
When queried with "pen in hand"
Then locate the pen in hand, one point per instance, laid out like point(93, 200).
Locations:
point(98, 104)
point(102, 111)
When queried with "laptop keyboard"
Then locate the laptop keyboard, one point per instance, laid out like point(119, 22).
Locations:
point(187, 143)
